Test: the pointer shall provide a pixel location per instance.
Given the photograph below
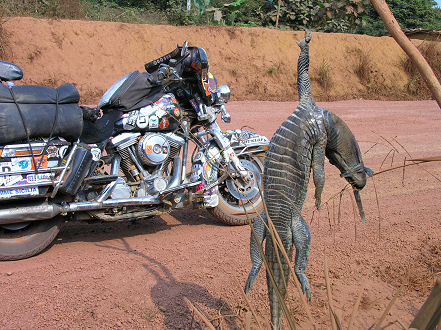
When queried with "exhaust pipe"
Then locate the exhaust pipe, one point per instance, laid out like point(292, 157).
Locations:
point(45, 210)
point(29, 212)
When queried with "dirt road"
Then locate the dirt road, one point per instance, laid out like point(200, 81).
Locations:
point(136, 275)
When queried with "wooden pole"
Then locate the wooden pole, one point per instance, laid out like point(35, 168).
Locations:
point(278, 13)
point(409, 48)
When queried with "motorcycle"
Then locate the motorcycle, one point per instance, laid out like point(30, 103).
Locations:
point(125, 159)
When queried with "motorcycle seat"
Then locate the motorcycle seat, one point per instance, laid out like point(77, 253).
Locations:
point(10, 71)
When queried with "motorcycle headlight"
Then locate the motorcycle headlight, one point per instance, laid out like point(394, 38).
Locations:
point(223, 93)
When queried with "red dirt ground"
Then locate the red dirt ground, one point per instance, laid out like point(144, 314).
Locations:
point(136, 275)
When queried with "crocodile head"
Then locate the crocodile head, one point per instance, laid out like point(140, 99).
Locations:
point(343, 151)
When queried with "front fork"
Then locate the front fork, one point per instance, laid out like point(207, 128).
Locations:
point(225, 145)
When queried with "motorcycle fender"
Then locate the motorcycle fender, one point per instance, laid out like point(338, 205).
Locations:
point(246, 142)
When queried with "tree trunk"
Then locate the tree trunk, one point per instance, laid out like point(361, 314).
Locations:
point(409, 48)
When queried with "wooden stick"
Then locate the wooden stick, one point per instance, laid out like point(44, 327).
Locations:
point(357, 304)
point(329, 293)
point(198, 313)
point(378, 208)
point(387, 310)
point(248, 303)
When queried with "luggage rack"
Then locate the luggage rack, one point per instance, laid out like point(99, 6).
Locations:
point(55, 178)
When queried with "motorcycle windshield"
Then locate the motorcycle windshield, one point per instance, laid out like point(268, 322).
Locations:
point(105, 99)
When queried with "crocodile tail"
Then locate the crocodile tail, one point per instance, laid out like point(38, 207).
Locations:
point(303, 82)
point(281, 276)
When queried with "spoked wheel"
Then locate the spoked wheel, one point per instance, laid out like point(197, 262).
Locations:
point(236, 196)
point(26, 239)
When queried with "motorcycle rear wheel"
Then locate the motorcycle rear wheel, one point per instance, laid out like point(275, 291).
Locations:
point(24, 240)
point(230, 210)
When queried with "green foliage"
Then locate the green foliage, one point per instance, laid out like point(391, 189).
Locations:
point(324, 15)
point(231, 11)
point(409, 14)
point(105, 10)
point(341, 16)
point(43, 8)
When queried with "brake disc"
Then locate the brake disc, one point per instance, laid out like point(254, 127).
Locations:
point(245, 191)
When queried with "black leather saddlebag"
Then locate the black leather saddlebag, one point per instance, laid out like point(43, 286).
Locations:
point(46, 111)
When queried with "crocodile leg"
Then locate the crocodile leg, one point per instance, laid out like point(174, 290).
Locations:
point(301, 238)
point(256, 257)
point(318, 168)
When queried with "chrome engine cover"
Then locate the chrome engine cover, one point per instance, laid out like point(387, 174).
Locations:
point(153, 149)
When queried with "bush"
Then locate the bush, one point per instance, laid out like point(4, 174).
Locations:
point(417, 86)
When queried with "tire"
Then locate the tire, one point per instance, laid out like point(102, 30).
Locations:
point(230, 210)
point(24, 240)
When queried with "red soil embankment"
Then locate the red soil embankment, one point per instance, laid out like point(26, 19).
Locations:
point(257, 63)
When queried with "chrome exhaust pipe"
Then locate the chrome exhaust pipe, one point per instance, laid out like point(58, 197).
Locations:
point(29, 212)
point(176, 173)
point(110, 203)
point(45, 210)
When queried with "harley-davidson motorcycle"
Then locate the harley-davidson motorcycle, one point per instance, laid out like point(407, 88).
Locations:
point(150, 146)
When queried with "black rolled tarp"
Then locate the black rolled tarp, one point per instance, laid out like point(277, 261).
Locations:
point(38, 105)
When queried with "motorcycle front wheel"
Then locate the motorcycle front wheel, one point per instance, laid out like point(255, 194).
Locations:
point(26, 239)
point(240, 203)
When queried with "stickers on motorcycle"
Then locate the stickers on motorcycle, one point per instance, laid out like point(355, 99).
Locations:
point(52, 151)
point(96, 154)
point(5, 167)
point(148, 110)
point(21, 164)
point(18, 192)
point(172, 98)
point(36, 178)
point(40, 161)
point(130, 122)
point(142, 121)
point(259, 139)
point(177, 112)
point(8, 153)
point(194, 105)
point(10, 180)
point(164, 123)
point(153, 122)
point(160, 113)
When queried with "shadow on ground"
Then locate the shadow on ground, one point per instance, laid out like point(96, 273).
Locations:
point(84, 231)
point(169, 295)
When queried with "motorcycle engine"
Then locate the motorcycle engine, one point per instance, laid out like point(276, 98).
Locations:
point(153, 149)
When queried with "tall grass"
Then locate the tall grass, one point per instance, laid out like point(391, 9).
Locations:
point(103, 10)
point(363, 66)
